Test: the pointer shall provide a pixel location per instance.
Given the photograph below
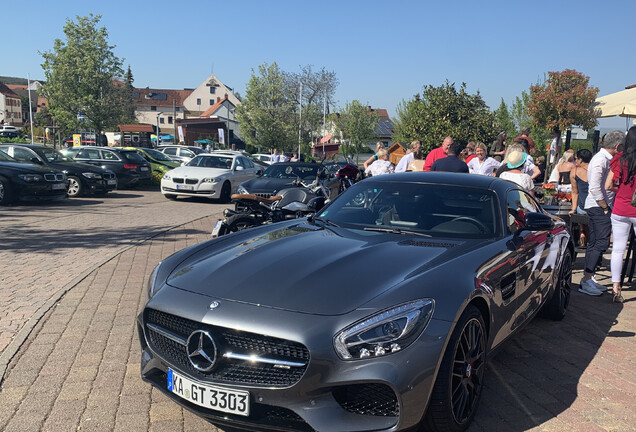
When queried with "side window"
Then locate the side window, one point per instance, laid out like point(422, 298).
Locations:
point(170, 151)
point(519, 205)
point(90, 154)
point(110, 156)
point(239, 162)
point(22, 154)
point(248, 163)
point(187, 153)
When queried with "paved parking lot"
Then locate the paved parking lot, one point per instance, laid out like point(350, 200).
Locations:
point(76, 365)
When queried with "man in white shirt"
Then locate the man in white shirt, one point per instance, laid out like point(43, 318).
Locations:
point(409, 157)
point(598, 206)
point(275, 156)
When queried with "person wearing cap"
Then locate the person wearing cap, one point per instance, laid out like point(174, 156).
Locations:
point(516, 159)
point(598, 206)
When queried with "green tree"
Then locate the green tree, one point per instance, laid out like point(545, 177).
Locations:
point(504, 121)
point(444, 111)
point(357, 124)
point(81, 74)
point(267, 114)
point(563, 100)
point(127, 102)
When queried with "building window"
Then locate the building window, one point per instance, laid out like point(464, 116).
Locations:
point(212, 90)
point(153, 108)
point(211, 102)
point(198, 101)
point(161, 120)
point(169, 119)
point(178, 109)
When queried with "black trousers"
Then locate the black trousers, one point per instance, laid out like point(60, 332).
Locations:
point(600, 225)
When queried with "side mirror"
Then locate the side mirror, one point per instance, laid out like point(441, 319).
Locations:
point(538, 222)
point(239, 168)
point(315, 204)
point(259, 173)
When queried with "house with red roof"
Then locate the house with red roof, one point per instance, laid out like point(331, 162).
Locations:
point(10, 107)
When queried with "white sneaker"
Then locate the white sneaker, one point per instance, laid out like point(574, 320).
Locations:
point(587, 287)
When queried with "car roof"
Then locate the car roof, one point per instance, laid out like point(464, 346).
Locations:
point(117, 149)
point(446, 178)
point(27, 145)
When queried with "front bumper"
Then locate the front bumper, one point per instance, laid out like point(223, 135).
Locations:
point(381, 394)
point(27, 191)
point(199, 189)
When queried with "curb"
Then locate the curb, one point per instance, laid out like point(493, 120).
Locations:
point(10, 351)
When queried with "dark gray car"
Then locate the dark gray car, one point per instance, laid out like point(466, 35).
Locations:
point(375, 315)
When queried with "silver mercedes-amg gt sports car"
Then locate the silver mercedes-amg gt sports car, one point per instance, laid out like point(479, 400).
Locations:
point(375, 314)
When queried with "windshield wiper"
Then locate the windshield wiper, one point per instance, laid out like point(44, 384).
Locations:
point(325, 221)
point(395, 231)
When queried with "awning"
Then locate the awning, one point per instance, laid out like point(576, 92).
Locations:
point(622, 103)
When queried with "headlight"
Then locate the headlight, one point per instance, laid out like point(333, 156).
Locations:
point(241, 190)
point(91, 175)
point(386, 332)
point(152, 289)
point(210, 180)
point(166, 177)
point(30, 177)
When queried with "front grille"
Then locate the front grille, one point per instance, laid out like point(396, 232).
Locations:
point(186, 181)
point(227, 370)
point(54, 177)
point(177, 180)
point(368, 399)
point(108, 176)
point(192, 181)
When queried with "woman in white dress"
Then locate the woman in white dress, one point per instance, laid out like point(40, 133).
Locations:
point(482, 164)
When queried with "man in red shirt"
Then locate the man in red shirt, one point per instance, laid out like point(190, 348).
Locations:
point(438, 153)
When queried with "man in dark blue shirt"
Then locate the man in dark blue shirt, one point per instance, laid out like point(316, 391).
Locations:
point(451, 163)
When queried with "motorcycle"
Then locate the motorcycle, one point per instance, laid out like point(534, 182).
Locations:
point(300, 200)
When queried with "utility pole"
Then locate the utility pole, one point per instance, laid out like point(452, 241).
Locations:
point(30, 110)
point(300, 118)
point(174, 117)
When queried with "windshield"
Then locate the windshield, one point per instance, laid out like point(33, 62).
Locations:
point(157, 155)
point(211, 161)
point(292, 171)
point(53, 155)
point(133, 156)
point(428, 209)
point(5, 157)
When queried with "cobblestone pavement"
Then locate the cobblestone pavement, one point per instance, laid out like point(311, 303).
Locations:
point(79, 367)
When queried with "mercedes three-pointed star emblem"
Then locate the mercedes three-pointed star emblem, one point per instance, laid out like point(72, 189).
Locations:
point(201, 350)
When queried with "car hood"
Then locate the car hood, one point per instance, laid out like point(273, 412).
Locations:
point(76, 167)
point(266, 185)
point(304, 268)
point(186, 171)
point(25, 168)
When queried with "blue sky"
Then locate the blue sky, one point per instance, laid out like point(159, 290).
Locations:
point(382, 52)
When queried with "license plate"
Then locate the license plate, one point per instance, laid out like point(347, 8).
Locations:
point(216, 398)
point(144, 168)
point(185, 187)
point(58, 186)
point(217, 228)
point(112, 182)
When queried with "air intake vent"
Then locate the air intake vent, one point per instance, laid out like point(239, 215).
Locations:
point(422, 243)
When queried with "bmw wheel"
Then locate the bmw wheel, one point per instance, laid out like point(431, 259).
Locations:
point(459, 383)
point(5, 192)
point(171, 197)
point(75, 188)
point(226, 190)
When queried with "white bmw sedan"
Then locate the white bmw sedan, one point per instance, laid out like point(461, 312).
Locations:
point(209, 176)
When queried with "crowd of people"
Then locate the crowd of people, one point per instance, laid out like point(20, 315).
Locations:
point(602, 185)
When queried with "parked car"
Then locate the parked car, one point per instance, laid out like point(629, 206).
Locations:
point(130, 168)
point(251, 157)
point(335, 343)
point(209, 175)
point(181, 153)
point(264, 157)
point(82, 178)
point(280, 175)
point(9, 134)
point(159, 162)
point(19, 181)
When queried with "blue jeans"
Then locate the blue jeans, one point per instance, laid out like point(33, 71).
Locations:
point(600, 231)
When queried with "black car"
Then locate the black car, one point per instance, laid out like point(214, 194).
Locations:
point(280, 176)
point(382, 320)
point(83, 178)
point(130, 168)
point(9, 134)
point(19, 181)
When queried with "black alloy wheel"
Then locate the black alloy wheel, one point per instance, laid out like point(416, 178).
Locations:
point(171, 197)
point(5, 192)
point(459, 383)
point(557, 306)
point(75, 188)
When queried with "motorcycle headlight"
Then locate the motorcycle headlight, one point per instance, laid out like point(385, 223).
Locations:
point(385, 332)
point(91, 175)
point(241, 190)
point(30, 177)
point(152, 288)
point(210, 180)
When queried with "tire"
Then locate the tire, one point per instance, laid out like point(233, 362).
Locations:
point(226, 191)
point(240, 222)
point(459, 382)
point(170, 197)
point(75, 187)
point(557, 306)
point(6, 195)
